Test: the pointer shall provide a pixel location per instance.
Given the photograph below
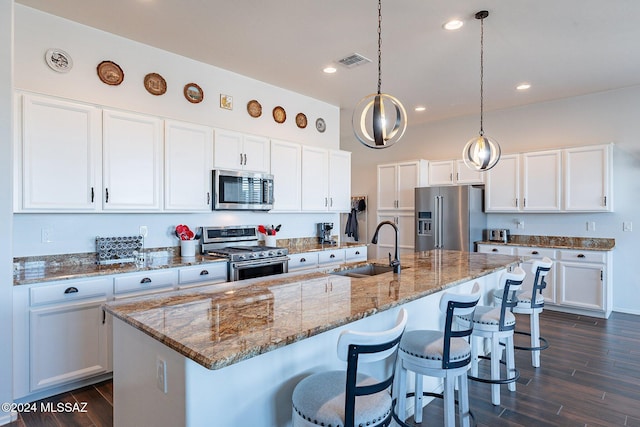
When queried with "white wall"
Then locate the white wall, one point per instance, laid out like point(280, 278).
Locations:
point(35, 32)
point(6, 167)
point(587, 120)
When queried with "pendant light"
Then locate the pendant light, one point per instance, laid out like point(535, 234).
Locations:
point(370, 123)
point(482, 152)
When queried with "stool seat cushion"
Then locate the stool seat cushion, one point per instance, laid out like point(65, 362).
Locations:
point(489, 316)
point(524, 298)
point(319, 399)
point(427, 344)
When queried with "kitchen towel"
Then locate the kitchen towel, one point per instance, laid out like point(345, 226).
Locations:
point(351, 230)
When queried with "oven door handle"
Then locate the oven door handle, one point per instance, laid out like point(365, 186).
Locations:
point(258, 262)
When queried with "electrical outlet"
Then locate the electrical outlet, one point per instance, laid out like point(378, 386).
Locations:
point(161, 375)
point(46, 235)
point(591, 226)
point(520, 224)
point(144, 230)
point(627, 226)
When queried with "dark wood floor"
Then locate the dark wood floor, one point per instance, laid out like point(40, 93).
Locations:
point(590, 376)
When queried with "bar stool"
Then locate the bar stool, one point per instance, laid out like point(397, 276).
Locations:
point(496, 324)
point(329, 398)
point(532, 303)
point(443, 354)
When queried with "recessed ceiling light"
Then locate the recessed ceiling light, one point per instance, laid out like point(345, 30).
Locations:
point(420, 108)
point(454, 24)
point(523, 86)
point(330, 69)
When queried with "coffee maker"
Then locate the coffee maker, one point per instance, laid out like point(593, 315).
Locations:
point(324, 233)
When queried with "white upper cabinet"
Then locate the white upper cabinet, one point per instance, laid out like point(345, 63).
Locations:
point(541, 183)
point(286, 164)
point(453, 172)
point(188, 161)
point(132, 161)
point(397, 183)
point(572, 179)
point(529, 182)
point(502, 189)
point(326, 180)
point(588, 183)
point(339, 181)
point(60, 155)
point(238, 151)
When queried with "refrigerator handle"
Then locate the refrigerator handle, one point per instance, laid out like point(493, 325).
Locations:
point(440, 223)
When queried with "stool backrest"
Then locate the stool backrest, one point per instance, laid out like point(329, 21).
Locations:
point(540, 268)
point(370, 347)
point(510, 282)
point(452, 305)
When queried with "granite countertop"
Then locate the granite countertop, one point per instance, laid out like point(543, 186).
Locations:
point(558, 242)
point(222, 324)
point(36, 269)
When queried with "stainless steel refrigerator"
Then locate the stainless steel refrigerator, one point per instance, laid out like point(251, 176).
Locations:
point(449, 217)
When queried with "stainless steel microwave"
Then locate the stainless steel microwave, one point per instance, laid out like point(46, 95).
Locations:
point(242, 190)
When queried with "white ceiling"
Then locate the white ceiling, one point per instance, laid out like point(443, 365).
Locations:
point(562, 47)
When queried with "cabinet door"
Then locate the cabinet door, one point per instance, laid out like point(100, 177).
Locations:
point(132, 161)
point(387, 186)
point(408, 180)
point(315, 179)
point(532, 254)
point(587, 178)
point(339, 181)
point(441, 173)
point(502, 190)
point(188, 162)
point(228, 150)
point(495, 249)
point(256, 151)
point(541, 181)
point(581, 285)
point(465, 175)
point(67, 343)
point(60, 136)
point(286, 163)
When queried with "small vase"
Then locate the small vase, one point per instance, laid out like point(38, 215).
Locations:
point(188, 248)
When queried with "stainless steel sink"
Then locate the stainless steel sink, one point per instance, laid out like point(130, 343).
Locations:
point(365, 270)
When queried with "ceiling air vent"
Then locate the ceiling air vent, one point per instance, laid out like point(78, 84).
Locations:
point(353, 60)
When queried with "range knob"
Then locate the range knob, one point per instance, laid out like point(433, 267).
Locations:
point(261, 254)
point(271, 253)
point(241, 257)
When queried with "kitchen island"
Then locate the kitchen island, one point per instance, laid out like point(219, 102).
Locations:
point(230, 354)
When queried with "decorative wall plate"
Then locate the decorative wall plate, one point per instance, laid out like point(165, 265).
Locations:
point(279, 115)
point(155, 84)
point(301, 120)
point(321, 125)
point(193, 93)
point(110, 73)
point(254, 108)
point(58, 60)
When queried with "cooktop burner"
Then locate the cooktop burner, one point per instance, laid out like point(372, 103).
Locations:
point(248, 253)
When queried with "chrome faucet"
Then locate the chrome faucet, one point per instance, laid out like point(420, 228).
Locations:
point(395, 263)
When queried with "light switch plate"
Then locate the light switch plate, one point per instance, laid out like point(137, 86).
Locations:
point(627, 226)
point(161, 375)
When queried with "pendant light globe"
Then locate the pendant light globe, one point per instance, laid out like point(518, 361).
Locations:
point(481, 153)
point(379, 120)
point(374, 126)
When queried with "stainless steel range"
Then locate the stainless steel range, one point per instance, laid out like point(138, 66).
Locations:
point(247, 259)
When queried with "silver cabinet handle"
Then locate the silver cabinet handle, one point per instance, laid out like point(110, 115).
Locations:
point(303, 260)
point(145, 280)
point(204, 273)
point(71, 290)
point(245, 159)
point(241, 159)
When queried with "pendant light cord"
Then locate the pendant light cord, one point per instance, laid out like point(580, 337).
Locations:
point(379, 45)
point(481, 76)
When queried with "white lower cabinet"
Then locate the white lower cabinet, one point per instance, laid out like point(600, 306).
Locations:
point(196, 275)
point(63, 334)
point(583, 280)
point(579, 281)
point(303, 261)
point(356, 253)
